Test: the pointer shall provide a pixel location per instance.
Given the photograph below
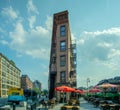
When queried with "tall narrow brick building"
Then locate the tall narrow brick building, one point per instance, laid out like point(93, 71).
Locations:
point(62, 68)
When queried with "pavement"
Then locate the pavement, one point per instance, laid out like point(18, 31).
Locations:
point(84, 105)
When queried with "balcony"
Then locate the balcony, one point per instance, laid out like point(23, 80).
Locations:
point(73, 46)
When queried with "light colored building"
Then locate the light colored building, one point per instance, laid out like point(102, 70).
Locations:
point(9, 75)
point(62, 68)
point(26, 83)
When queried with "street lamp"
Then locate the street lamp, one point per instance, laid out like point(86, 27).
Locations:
point(88, 80)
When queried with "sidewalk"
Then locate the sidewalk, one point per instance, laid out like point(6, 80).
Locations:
point(84, 105)
point(57, 107)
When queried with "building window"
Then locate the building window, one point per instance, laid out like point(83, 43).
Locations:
point(62, 46)
point(62, 30)
point(3, 92)
point(62, 77)
point(62, 60)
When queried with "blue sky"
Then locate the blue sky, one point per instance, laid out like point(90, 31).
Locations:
point(26, 30)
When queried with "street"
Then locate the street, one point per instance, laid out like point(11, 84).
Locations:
point(84, 105)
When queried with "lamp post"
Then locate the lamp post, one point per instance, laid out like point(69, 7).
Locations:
point(88, 80)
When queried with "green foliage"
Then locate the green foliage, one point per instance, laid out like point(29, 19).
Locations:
point(37, 90)
point(108, 95)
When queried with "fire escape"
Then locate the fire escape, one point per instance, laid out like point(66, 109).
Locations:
point(73, 65)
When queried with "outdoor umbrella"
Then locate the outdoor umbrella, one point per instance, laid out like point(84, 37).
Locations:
point(79, 91)
point(64, 89)
point(95, 90)
point(107, 85)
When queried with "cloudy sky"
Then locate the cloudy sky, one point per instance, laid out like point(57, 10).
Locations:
point(26, 30)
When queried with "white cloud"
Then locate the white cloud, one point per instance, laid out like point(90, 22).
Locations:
point(112, 31)
point(40, 30)
point(37, 53)
point(114, 53)
point(73, 37)
point(99, 44)
point(31, 7)
point(32, 20)
point(104, 44)
point(80, 41)
point(9, 12)
point(34, 42)
point(4, 42)
point(46, 73)
point(18, 35)
point(49, 22)
point(98, 53)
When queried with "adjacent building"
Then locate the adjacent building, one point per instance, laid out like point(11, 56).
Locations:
point(37, 85)
point(26, 83)
point(62, 67)
point(9, 75)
